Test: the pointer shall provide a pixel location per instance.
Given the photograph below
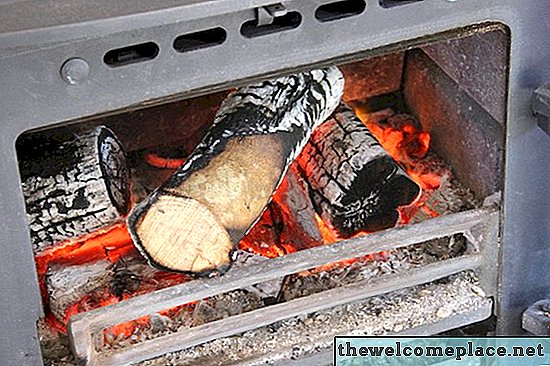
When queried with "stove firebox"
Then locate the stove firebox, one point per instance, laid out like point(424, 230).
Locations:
point(436, 107)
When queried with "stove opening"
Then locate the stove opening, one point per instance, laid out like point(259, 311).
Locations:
point(387, 221)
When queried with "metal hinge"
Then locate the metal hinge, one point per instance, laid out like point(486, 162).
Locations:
point(267, 14)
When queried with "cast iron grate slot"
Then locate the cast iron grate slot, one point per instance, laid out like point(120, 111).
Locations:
point(131, 54)
point(392, 3)
point(291, 20)
point(202, 39)
point(339, 10)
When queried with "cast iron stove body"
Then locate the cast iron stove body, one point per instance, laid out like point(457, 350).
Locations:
point(37, 38)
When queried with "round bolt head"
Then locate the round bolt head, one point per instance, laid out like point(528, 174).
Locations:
point(75, 70)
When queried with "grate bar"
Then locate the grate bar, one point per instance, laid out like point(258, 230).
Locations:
point(305, 305)
point(83, 325)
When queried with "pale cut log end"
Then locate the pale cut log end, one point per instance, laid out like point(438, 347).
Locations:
point(181, 234)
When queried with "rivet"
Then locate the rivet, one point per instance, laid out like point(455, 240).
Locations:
point(75, 70)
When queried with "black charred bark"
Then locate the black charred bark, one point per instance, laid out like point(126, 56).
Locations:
point(355, 185)
point(73, 183)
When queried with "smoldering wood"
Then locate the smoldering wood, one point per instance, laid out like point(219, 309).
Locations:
point(355, 185)
point(475, 151)
point(67, 285)
point(478, 220)
point(193, 221)
point(288, 219)
point(74, 183)
point(297, 212)
point(258, 318)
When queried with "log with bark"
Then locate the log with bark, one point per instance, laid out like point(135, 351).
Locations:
point(74, 182)
point(194, 220)
point(355, 185)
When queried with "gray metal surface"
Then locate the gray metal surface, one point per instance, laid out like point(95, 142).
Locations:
point(540, 105)
point(536, 319)
point(264, 316)
point(34, 47)
point(86, 329)
point(484, 81)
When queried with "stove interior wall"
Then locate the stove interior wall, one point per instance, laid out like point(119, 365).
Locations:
point(464, 111)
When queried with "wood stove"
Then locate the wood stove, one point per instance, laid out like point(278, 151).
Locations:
point(137, 69)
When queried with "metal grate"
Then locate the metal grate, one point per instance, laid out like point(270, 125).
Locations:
point(479, 226)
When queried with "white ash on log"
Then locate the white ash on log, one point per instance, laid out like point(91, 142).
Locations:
point(194, 220)
point(90, 284)
point(74, 182)
point(68, 284)
point(355, 185)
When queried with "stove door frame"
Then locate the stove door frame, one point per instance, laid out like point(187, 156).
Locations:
point(34, 95)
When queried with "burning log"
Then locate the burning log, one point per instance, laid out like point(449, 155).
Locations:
point(74, 183)
point(288, 224)
point(193, 221)
point(82, 287)
point(67, 285)
point(297, 213)
point(355, 185)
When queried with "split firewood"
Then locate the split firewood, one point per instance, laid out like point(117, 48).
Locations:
point(355, 185)
point(297, 213)
point(288, 224)
point(193, 221)
point(73, 183)
point(84, 287)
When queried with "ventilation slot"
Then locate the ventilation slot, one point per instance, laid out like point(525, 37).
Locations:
point(392, 3)
point(291, 20)
point(339, 10)
point(203, 39)
point(131, 54)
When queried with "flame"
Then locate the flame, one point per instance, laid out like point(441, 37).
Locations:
point(329, 235)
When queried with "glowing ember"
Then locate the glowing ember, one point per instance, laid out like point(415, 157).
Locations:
point(158, 161)
point(329, 236)
point(407, 143)
point(402, 137)
point(111, 243)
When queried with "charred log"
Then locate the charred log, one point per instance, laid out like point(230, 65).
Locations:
point(73, 183)
point(355, 185)
point(82, 287)
point(288, 223)
point(193, 221)
point(295, 213)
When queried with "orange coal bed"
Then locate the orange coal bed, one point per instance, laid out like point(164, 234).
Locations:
point(128, 204)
